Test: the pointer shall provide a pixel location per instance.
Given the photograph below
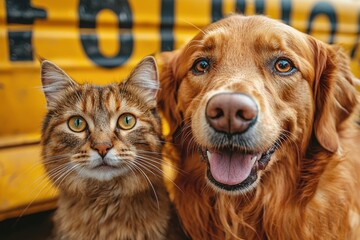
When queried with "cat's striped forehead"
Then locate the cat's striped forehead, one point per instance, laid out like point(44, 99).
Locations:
point(101, 106)
point(102, 103)
point(99, 132)
point(101, 99)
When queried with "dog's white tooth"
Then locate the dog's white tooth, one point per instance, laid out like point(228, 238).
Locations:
point(253, 159)
point(208, 154)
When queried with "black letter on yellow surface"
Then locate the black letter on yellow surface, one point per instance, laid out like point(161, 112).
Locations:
point(88, 11)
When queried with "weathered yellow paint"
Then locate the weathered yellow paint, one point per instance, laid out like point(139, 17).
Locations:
point(57, 38)
point(23, 185)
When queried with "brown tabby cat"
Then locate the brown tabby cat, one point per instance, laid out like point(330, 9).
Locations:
point(101, 147)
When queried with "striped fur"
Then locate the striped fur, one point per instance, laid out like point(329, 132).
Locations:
point(127, 198)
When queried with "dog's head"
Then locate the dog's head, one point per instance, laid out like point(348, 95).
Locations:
point(245, 86)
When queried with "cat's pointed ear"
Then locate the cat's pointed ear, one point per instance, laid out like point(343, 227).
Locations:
point(145, 76)
point(54, 80)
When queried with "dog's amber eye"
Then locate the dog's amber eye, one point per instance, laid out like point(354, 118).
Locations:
point(283, 66)
point(127, 121)
point(77, 124)
point(200, 66)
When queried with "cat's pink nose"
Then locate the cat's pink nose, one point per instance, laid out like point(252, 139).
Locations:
point(102, 148)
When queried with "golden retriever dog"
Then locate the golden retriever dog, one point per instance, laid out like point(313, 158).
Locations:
point(263, 126)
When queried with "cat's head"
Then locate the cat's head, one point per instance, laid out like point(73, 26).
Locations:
point(101, 132)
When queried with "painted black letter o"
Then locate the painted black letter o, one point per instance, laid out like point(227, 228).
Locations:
point(88, 11)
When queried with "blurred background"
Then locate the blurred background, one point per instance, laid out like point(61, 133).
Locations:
point(99, 41)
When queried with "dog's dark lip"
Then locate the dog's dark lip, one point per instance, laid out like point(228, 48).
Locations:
point(260, 164)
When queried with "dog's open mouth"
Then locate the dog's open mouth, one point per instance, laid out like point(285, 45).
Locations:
point(234, 170)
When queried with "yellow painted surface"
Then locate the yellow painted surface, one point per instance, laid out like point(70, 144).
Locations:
point(57, 38)
point(23, 186)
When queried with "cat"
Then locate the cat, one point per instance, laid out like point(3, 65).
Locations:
point(101, 146)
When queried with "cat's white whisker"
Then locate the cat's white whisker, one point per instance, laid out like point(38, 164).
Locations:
point(144, 161)
point(64, 175)
point(40, 181)
point(45, 181)
point(151, 185)
point(166, 164)
point(90, 153)
point(33, 199)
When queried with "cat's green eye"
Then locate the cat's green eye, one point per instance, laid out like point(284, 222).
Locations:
point(127, 121)
point(77, 124)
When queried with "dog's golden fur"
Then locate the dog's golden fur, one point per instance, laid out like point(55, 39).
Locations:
point(311, 187)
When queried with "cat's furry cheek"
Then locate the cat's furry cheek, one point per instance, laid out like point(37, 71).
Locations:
point(101, 145)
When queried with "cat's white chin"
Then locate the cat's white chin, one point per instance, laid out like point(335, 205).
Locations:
point(103, 169)
point(103, 173)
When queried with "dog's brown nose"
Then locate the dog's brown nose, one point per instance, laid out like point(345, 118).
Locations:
point(231, 112)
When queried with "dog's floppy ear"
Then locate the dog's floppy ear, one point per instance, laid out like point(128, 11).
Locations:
point(334, 93)
point(167, 97)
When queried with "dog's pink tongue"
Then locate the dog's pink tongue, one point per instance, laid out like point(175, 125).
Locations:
point(230, 168)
